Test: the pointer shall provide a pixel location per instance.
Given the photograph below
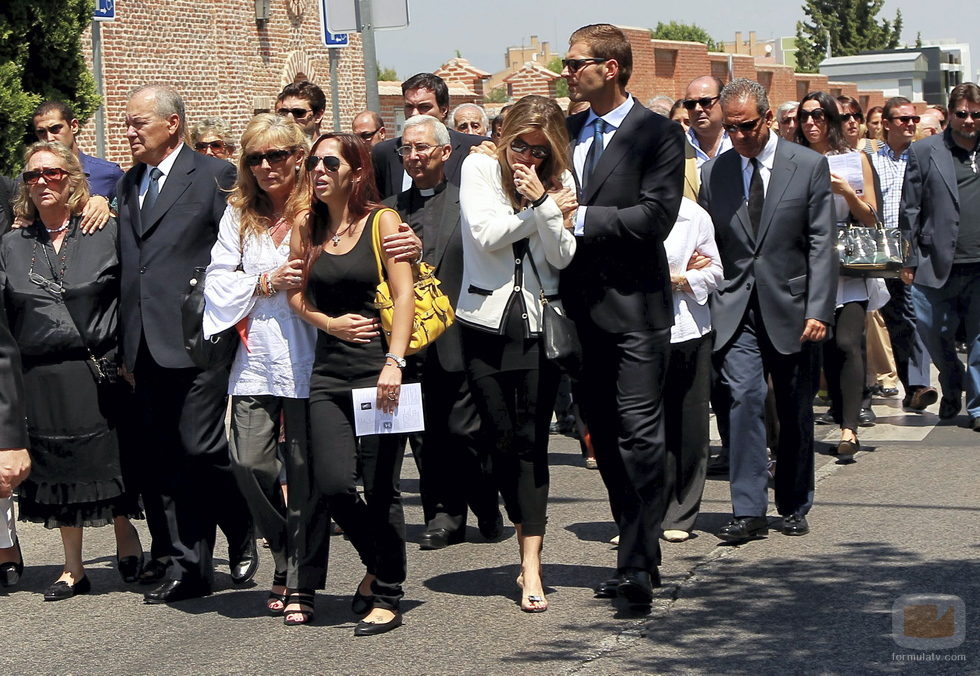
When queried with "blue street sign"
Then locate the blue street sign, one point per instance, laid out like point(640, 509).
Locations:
point(331, 40)
point(105, 10)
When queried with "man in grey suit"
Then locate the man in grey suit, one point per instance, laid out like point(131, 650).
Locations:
point(940, 215)
point(771, 205)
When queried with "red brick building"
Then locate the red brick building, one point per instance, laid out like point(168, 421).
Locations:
point(531, 78)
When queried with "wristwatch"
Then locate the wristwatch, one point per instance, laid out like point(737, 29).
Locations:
point(399, 361)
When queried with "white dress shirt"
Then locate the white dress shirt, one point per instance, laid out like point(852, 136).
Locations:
point(165, 167)
point(692, 231)
point(700, 157)
point(765, 158)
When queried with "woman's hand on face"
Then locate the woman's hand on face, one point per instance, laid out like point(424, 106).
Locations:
point(95, 215)
point(389, 388)
point(289, 275)
point(527, 183)
point(566, 201)
point(354, 328)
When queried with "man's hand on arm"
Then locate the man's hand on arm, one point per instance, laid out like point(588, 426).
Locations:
point(95, 214)
point(403, 246)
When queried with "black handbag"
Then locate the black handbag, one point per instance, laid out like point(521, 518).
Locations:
point(559, 337)
point(215, 352)
point(871, 251)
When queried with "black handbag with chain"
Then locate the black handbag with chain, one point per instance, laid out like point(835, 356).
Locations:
point(559, 337)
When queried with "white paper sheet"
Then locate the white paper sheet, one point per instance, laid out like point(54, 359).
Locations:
point(369, 419)
point(848, 166)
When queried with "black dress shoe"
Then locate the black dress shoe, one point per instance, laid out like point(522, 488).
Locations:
point(949, 408)
point(743, 528)
point(439, 538)
point(61, 590)
point(176, 590)
point(888, 391)
point(129, 567)
point(11, 571)
point(795, 524)
point(373, 628)
point(243, 569)
point(637, 587)
point(608, 589)
point(492, 529)
point(975, 424)
point(828, 418)
point(867, 418)
point(153, 571)
point(718, 465)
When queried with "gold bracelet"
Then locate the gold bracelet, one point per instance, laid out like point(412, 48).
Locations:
point(329, 319)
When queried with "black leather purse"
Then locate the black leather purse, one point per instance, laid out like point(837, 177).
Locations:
point(559, 337)
point(215, 352)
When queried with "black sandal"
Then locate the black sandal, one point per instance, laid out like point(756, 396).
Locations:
point(304, 598)
point(278, 580)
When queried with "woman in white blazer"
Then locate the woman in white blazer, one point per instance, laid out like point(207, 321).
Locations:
point(516, 211)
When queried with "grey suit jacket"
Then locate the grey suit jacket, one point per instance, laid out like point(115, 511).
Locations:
point(929, 215)
point(792, 263)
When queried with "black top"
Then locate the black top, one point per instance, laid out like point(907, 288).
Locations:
point(968, 187)
point(339, 285)
point(87, 267)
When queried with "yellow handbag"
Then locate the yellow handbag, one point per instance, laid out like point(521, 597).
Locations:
point(433, 311)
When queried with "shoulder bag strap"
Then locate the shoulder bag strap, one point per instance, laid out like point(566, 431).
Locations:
point(375, 220)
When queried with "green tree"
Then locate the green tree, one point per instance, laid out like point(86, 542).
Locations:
point(561, 86)
point(688, 32)
point(498, 95)
point(41, 58)
point(851, 26)
point(387, 74)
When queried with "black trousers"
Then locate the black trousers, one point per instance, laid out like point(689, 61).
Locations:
point(185, 472)
point(453, 473)
point(620, 397)
point(845, 363)
point(686, 425)
point(374, 525)
point(515, 411)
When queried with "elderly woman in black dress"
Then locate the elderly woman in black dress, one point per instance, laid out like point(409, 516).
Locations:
point(60, 292)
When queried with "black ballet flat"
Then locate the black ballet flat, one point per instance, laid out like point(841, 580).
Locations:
point(11, 571)
point(129, 567)
point(374, 628)
point(61, 590)
point(361, 604)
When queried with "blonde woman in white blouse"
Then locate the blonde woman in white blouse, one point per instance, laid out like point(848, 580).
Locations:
point(695, 272)
point(516, 212)
point(245, 287)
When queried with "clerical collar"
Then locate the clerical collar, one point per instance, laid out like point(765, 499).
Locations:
point(427, 192)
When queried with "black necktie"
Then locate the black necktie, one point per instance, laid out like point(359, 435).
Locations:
point(152, 192)
point(595, 151)
point(757, 196)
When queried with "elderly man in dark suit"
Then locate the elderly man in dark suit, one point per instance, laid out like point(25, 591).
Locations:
point(15, 463)
point(629, 164)
point(940, 215)
point(424, 94)
point(451, 474)
point(170, 204)
point(771, 205)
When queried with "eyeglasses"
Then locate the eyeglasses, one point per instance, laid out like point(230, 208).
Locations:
point(847, 117)
point(573, 65)
point(537, 152)
point(818, 115)
point(51, 175)
point(272, 157)
point(295, 112)
point(419, 148)
point(705, 102)
point(905, 119)
point(743, 127)
point(963, 114)
point(330, 163)
point(368, 135)
point(213, 145)
point(45, 283)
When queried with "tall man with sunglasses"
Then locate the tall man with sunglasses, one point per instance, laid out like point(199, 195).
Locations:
point(629, 165)
point(771, 205)
point(940, 214)
point(170, 204)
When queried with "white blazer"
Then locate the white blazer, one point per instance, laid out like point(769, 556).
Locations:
point(490, 228)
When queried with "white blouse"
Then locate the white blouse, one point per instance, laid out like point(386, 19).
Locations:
point(279, 357)
point(693, 231)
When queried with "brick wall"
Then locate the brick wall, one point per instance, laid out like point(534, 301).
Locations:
point(220, 61)
point(462, 71)
point(531, 79)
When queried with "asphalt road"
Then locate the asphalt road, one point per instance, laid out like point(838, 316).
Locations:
point(904, 519)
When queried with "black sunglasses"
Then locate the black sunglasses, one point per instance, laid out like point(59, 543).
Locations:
point(537, 152)
point(368, 135)
point(704, 102)
point(330, 163)
point(272, 156)
point(818, 115)
point(963, 114)
point(573, 65)
point(295, 112)
point(847, 117)
point(213, 145)
point(905, 119)
point(50, 175)
point(743, 127)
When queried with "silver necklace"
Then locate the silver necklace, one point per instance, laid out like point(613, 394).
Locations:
point(337, 235)
point(53, 231)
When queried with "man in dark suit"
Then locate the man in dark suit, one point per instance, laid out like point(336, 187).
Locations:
point(15, 463)
point(424, 94)
point(771, 205)
point(629, 164)
point(450, 470)
point(170, 204)
point(940, 216)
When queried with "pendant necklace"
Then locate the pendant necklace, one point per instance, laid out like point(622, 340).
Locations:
point(337, 235)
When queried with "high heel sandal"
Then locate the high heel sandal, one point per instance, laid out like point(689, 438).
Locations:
point(10, 571)
point(278, 580)
point(304, 598)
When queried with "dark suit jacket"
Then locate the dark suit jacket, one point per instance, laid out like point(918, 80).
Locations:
point(929, 216)
point(619, 278)
point(792, 263)
point(13, 430)
point(159, 254)
point(389, 169)
point(447, 259)
point(8, 190)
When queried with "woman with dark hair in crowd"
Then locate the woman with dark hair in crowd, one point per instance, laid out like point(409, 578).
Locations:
point(60, 291)
point(852, 119)
point(821, 128)
point(680, 114)
point(340, 276)
point(270, 376)
point(516, 211)
point(873, 123)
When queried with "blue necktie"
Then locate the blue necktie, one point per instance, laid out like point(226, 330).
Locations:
point(152, 192)
point(595, 151)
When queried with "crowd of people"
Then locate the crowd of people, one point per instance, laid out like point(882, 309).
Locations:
point(693, 246)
